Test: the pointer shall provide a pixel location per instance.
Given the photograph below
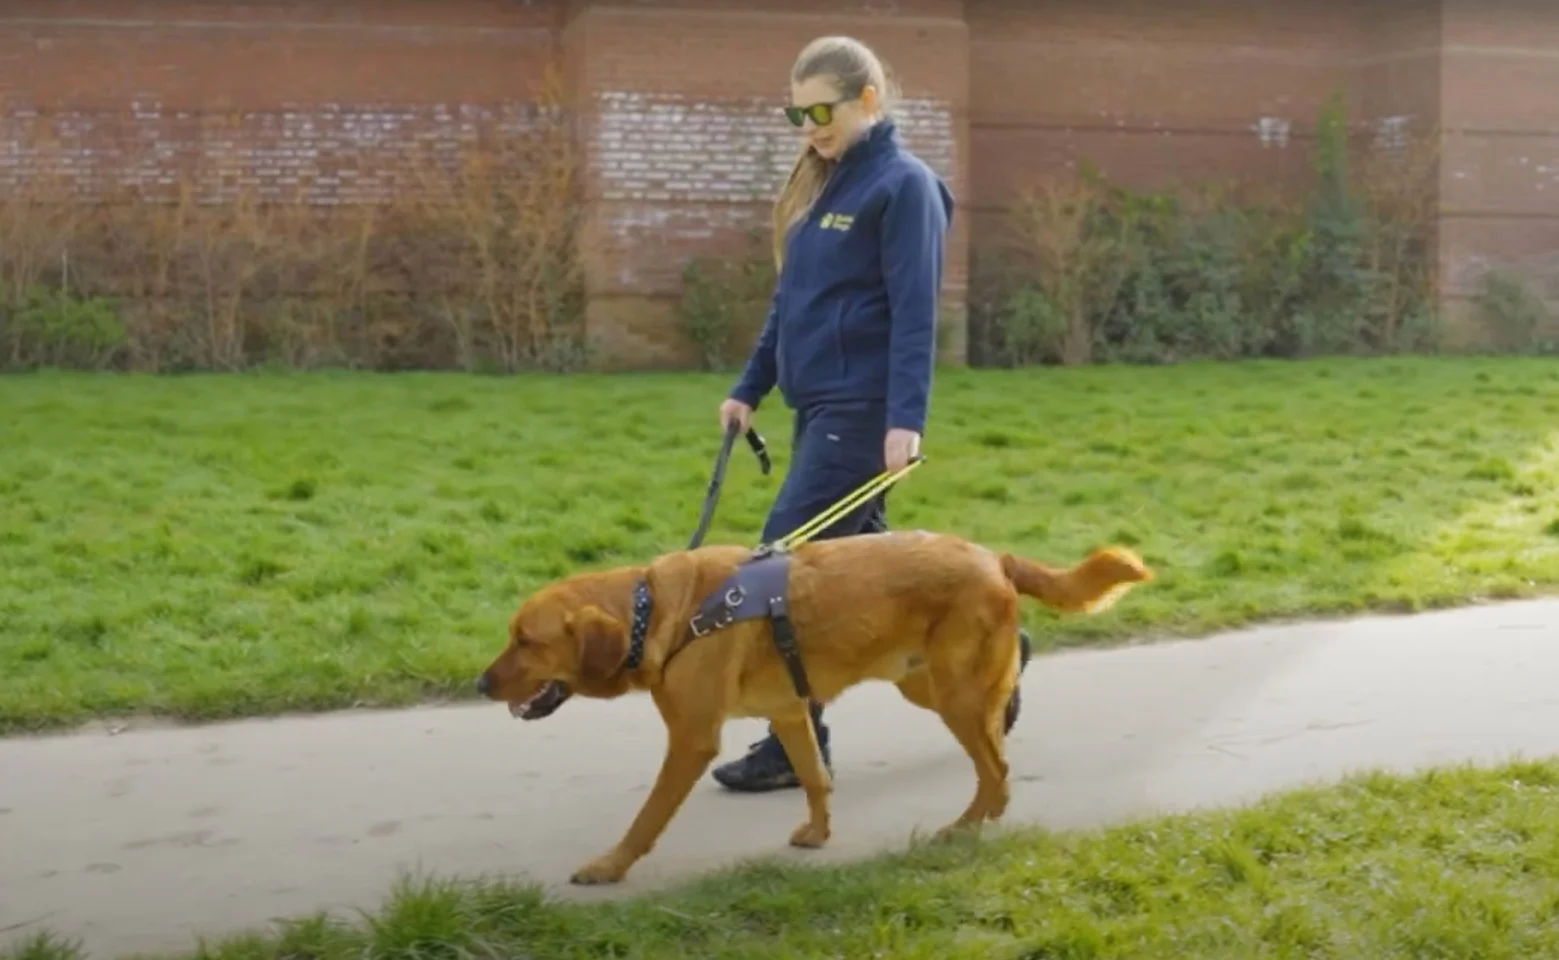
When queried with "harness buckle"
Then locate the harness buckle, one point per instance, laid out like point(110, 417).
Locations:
point(722, 618)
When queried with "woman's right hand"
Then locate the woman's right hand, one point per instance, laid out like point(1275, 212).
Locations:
point(735, 411)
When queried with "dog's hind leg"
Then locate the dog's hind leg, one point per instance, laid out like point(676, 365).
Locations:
point(917, 689)
point(971, 721)
point(799, 739)
point(975, 713)
point(692, 743)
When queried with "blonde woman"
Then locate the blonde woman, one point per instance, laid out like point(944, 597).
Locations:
point(850, 339)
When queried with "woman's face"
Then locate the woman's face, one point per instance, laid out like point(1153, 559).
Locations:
point(844, 121)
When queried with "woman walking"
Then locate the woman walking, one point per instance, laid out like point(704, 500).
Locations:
point(850, 339)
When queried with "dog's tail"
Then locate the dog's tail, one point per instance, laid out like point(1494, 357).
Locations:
point(1089, 587)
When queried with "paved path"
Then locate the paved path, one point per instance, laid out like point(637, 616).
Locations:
point(139, 841)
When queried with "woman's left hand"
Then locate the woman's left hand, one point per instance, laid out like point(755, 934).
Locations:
point(899, 448)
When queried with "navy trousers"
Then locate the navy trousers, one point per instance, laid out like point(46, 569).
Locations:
point(835, 448)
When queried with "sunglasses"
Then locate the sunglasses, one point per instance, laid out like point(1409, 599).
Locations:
point(822, 114)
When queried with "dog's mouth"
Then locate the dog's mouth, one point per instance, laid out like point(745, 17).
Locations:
point(543, 703)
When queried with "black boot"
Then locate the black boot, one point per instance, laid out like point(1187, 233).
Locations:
point(766, 767)
point(1015, 703)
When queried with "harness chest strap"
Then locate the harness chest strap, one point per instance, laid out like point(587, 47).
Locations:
point(758, 588)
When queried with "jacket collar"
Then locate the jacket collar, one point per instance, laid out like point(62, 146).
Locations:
point(880, 138)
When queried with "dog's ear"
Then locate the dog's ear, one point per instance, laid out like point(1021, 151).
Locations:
point(602, 644)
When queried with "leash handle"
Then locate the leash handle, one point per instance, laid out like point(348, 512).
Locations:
point(759, 450)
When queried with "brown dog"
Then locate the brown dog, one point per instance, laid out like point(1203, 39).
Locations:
point(934, 614)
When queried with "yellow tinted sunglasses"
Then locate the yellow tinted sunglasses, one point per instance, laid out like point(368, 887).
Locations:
point(822, 114)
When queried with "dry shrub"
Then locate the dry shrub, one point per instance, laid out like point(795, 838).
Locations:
point(1058, 231)
point(1087, 270)
point(507, 283)
point(1400, 192)
point(470, 261)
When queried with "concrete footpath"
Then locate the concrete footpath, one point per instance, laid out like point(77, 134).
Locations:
point(138, 842)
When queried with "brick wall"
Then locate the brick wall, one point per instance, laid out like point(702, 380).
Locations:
point(676, 103)
point(328, 99)
point(1151, 93)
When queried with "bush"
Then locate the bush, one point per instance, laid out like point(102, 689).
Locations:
point(1511, 312)
point(474, 264)
point(1092, 271)
point(51, 328)
point(725, 301)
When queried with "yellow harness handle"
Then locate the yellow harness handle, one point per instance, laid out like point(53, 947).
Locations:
point(866, 491)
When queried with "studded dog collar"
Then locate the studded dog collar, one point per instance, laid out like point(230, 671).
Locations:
point(643, 606)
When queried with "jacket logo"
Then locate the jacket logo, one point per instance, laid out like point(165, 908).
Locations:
point(837, 221)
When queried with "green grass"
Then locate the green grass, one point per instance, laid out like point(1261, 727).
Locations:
point(216, 546)
point(1461, 862)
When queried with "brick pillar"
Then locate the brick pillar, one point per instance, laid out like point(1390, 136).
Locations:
point(1499, 183)
point(686, 147)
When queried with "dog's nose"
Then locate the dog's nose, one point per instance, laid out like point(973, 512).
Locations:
point(484, 685)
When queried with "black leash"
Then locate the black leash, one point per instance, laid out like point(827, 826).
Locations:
point(712, 495)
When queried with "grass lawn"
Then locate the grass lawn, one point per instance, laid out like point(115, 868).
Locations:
point(213, 546)
point(1457, 863)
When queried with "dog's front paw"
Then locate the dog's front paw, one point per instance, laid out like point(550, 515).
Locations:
point(810, 835)
point(606, 869)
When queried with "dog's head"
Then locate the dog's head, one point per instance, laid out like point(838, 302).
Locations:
point(561, 642)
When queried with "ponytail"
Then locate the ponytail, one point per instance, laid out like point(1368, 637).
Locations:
point(801, 190)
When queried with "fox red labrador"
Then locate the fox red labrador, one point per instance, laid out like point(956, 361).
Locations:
point(934, 614)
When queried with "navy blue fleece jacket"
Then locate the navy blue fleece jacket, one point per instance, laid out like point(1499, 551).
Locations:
point(854, 311)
